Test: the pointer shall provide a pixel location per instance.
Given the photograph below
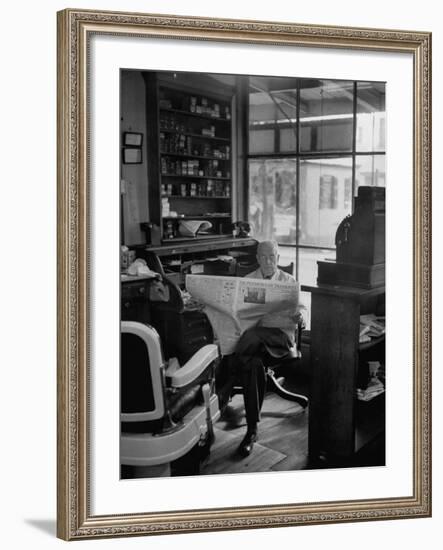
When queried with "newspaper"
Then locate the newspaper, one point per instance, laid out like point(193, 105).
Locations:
point(235, 304)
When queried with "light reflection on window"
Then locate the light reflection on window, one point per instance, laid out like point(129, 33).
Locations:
point(324, 199)
point(370, 170)
point(272, 199)
point(371, 117)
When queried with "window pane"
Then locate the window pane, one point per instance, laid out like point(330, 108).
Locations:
point(326, 113)
point(371, 117)
point(307, 275)
point(272, 115)
point(287, 255)
point(288, 140)
point(325, 199)
point(262, 141)
point(307, 264)
point(272, 199)
point(370, 170)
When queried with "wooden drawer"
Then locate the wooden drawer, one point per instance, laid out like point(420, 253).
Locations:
point(195, 320)
point(134, 290)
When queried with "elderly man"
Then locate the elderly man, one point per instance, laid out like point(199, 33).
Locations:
point(272, 336)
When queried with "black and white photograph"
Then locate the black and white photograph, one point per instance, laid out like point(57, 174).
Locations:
point(244, 307)
point(218, 331)
point(255, 295)
point(279, 179)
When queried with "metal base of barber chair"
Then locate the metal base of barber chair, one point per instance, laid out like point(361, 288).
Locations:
point(273, 381)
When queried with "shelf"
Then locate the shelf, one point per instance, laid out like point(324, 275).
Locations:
point(201, 136)
point(355, 293)
point(186, 156)
point(195, 197)
point(219, 242)
point(224, 178)
point(374, 400)
point(370, 419)
point(204, 217)
point(196, 115)
point(194, 239)
point(374, 341)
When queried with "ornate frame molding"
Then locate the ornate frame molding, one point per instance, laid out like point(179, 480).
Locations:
point(75, 27)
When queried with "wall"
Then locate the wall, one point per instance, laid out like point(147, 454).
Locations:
point(134, 189)
point(29, 278)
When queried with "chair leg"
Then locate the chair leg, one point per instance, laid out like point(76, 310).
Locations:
point(285, 394)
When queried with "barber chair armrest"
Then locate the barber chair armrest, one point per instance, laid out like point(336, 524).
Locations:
point(172, 367)
point(195, 366)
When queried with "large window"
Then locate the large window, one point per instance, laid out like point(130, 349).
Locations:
point(312, 143)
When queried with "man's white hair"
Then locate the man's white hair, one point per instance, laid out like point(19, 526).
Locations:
point(267, 244)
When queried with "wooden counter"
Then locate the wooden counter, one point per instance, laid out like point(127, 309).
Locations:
point(334, 410)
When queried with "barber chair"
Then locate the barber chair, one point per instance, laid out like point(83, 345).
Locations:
point(167, 410)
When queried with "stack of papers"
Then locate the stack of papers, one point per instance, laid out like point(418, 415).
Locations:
point(371, 326)
point(375, 387)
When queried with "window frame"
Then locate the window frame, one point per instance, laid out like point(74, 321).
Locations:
point(299, 156)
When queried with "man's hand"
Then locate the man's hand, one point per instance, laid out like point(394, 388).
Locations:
point(191, 303)
point(298, 319)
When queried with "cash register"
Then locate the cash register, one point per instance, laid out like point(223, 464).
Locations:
point(360, 244)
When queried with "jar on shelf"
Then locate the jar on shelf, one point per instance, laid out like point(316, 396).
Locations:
point(170, 233)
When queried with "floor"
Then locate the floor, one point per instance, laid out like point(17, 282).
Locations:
point(282, 438)
point(282, 443)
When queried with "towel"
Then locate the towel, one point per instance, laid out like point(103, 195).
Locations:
point(190, 228)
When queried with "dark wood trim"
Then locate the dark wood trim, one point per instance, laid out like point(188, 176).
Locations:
point(153, 147)
point(242, 104)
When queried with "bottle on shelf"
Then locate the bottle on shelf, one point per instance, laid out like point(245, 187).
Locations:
point(194, 153)
point(170, 233)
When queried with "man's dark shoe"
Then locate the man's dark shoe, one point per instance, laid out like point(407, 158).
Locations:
point(245, 447)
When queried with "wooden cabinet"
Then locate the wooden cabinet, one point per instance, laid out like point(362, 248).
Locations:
point(134, 304)
point(228, 256)
point(190, 168)
point(339, 424)
point(181, 332)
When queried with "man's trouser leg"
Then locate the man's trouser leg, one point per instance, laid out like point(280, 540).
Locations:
point(249, 351)
point(254, 384)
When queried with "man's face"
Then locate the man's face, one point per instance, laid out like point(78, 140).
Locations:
point(267, 259)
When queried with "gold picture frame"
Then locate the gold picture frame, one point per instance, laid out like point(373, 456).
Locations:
point(75, 29)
